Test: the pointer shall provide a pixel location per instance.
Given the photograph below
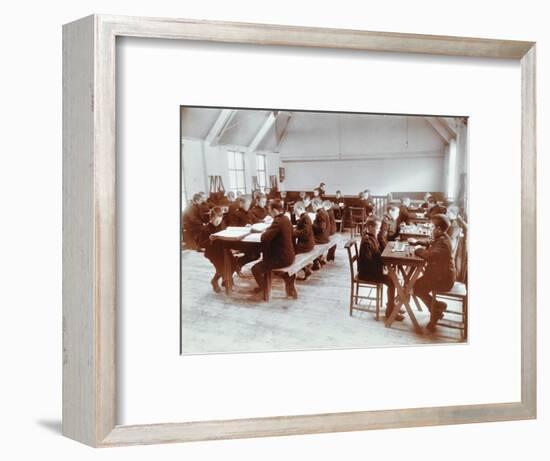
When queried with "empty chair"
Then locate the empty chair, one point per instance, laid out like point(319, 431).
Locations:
point(357, 283)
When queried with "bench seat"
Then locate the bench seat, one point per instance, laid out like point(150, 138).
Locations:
point(301, 260)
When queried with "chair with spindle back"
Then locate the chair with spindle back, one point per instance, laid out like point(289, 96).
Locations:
point(357, 283)
point(458, 293)
point(358, 217)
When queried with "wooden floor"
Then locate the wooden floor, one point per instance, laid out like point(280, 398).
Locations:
point(318, 319)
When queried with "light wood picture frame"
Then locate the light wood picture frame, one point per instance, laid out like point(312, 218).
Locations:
point(89, 232)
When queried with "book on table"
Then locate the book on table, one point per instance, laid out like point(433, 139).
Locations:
point(232, 233)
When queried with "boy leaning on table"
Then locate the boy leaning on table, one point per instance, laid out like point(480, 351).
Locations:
point(370, 267)
point(213, 250)
point(439, 273)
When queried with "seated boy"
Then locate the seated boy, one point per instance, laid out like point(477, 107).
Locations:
point(205, 207)
point(429, 201)
point(404, 212)
point(279, 249)
point(369, 262)
point(328, 206)
point(321, 229)
point(303, 233)
point(437, 208)
point(283, 200)
point(439, 273)
point(304, 229)
point(241, 217)
point(388, 229)
point(307, 204)
point(193, 222)
point(212, 248)
point(339, 205)
point(367, 203)
point(259, 211)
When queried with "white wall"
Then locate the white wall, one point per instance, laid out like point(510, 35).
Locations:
point(379, 175)
point(352, 152)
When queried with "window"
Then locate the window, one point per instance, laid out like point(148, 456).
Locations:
point(236, 171)
point(261, 170)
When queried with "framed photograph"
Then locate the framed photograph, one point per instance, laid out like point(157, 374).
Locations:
point(316, 247)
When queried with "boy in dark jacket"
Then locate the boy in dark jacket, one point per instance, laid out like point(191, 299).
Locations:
point(439, 273)
point(389, 230)
point(303, 233)
point(327, 205)
point(321, 225)
point(304, 230)
point(259, 211)
point(367, 203)
point(369, 263)
point(339, 205)
point(278, 251)
point(404, 212)
point(212, 248)
point(242, 217)
point(321, 229)
point(193, 222)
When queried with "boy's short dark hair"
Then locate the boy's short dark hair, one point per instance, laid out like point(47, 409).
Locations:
point(216, 212)
point(372, 221)
point(442, 221)
point(197, 197)
point(276, 204)
point(391, 206)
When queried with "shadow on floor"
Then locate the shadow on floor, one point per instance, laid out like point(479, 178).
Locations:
point(53, 425)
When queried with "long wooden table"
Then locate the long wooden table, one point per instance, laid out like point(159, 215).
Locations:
point(410, 267)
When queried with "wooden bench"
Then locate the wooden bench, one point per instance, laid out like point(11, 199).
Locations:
point(300, 261)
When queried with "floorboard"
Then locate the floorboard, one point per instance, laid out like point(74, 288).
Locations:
point(318, 319)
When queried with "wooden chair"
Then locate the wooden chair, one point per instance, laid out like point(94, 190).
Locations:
point(358, 217)
point(357, 283)
point(459, 293)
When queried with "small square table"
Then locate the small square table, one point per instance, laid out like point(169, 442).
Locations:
point(410, 267)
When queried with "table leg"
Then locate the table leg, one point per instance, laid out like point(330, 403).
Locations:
point(404, 293)
point(413, 277)
point(398, 299)
point(267, 285)
point(227, 270)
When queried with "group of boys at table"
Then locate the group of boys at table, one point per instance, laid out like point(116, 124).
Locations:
point(286, 235)
point(432, 255)
point(290, 234)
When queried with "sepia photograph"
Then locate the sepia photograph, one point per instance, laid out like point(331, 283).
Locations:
point(308, 230)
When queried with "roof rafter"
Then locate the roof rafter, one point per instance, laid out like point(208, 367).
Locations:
point(262, 131)
point(442, 128)
point(216, 130)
